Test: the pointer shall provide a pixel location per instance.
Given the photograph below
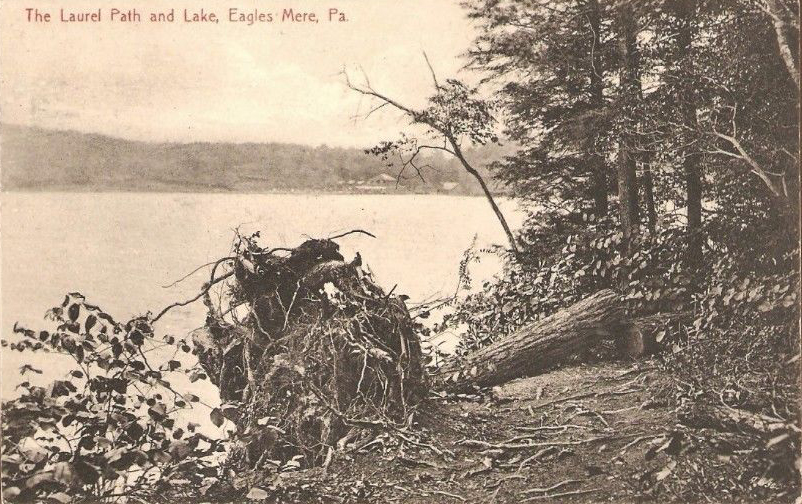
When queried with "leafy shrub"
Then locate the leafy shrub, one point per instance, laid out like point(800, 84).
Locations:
point(586, 259)
point(109, 428)
point(742, 351)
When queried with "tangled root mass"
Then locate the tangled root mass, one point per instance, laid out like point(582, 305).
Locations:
point(304, 348)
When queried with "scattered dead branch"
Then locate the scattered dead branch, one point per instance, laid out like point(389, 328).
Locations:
point(206, 288)
point(561, 495)
point(447, 494)
point(641, 439)
point(353, 231)
point(551, 488)
point(537, 456)
point(561, 428)
point(476, 443)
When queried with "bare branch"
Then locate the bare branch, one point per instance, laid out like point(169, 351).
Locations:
point(213, 263)
point(369, 91)
point(353, 231)
point(742, 154)
point(431, 70)
point(203, 292)
point(376, 109)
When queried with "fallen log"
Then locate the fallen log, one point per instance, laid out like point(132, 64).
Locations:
point(541, 345)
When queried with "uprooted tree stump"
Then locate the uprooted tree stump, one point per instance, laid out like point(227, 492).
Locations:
point(304, 347)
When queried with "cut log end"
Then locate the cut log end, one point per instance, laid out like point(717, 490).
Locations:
point(633, 342)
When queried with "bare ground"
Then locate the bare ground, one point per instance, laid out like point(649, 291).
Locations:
point(583, 433)
point(578, 433)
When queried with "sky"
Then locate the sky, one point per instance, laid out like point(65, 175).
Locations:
point(227, 81)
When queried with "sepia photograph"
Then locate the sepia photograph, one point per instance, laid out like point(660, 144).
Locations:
point(400, 251)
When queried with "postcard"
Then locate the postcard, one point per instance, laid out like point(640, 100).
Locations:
point(399, 251)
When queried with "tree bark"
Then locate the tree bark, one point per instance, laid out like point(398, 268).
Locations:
point(648, 190)
point(542, 344)
point(598, 165)
point(629, 91)
point(685, 18)
point(781, 30)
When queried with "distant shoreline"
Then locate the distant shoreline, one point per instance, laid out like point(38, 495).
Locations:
point(42, 160)
point(278, 192)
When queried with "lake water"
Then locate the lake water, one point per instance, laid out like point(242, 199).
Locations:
point(119, 249)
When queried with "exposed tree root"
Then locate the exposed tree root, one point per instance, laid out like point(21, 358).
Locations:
point(560, 495)
point(305, 348)
point(551, 488)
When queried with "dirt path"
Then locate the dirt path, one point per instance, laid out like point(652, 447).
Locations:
point(584, 433)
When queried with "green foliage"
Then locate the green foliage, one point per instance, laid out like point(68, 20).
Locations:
point(110, 427)
point(739, 344)
point(584, 258)
point(454, 115)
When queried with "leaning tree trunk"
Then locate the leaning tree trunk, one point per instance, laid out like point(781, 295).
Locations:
point(542, 344)
point(488, 195)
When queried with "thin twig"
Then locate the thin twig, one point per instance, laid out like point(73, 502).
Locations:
point(353, 231)
point(475, 443)
point(564, 494)
point(639, 439)
point(205, 291)
point(527, 428)
point(536, 456)
point(552, 487)
point(431, 70)
point(454, 496)
point(212, 263)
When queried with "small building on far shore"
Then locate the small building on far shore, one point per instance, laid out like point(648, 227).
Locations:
point(382, 179)
point(379, 184)
point(450, 186)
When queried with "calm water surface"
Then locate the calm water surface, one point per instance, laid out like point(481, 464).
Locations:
point(119, 249)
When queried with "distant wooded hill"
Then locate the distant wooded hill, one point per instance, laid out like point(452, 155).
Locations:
point(34, 159)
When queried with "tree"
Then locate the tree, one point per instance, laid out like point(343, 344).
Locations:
point(454, 115)
point(749, 117)
point(549, 63)
point(683, 23)
point(629, 94)
point(596, 72)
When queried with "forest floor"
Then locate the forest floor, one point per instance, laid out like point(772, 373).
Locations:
point(582, 433)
